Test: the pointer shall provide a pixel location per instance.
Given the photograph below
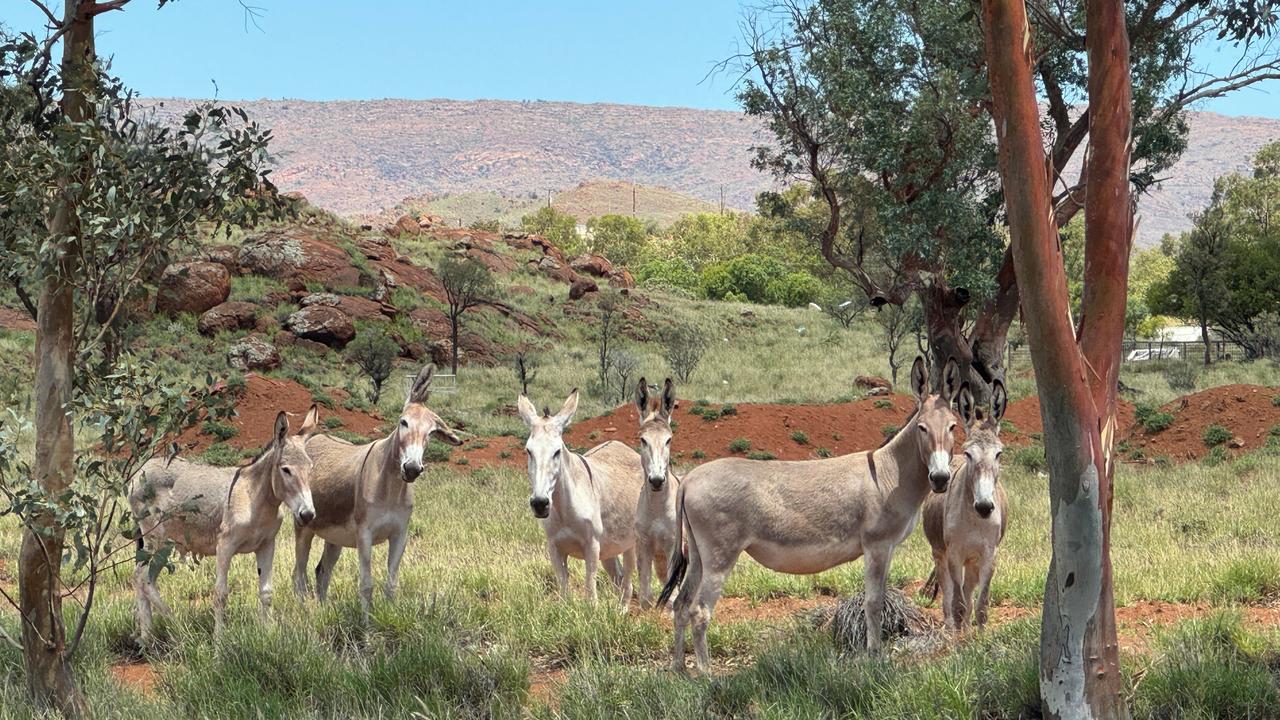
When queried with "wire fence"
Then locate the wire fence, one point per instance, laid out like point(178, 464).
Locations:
point(1139, 351)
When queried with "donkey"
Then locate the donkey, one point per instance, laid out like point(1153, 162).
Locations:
point(656, 512)
point(966, 525)
point(808, 516)
point(364, 495)
point(224, 512)
point(586, 502)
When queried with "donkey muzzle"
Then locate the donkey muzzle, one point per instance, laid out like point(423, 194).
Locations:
point(541, 506)
point(306, 516)
point(656, 484)
point(411, 471)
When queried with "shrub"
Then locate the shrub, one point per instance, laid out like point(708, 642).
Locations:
point(333, 422)
point(491, 225)
point(1152, 418)
point(1182, 376)
point(698, 454)
point(1216, 456)
point(746, 277)
point(822, 452)
point(1275, 401)
point(683, 347)
point(740, 445)
point(219, 429)
point(220, 454)
point(1030, 457)
point(794, 289)
point(889, 430)
point(1216, 435)
point(800, 437)
point(761, 455)
point(728, 410)
point(884, 404)
point(374, 352)
point(668, 274)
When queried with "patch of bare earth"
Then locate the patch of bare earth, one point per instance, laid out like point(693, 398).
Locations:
point(139, 676)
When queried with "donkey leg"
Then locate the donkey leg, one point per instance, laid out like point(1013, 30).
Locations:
point(954, 610)
point(266, 559)
point(970, 582)
point(712, 585)
point(591, 556)
point(395, 551)
point(140, 578)
point(644, 578)
point(613, 567)
point(302, 538)
point(364, 549)
point(324, 570)
point(560, 565)
point(875, 571)
point(628, 570)
point(985, 571)
point(220, 588)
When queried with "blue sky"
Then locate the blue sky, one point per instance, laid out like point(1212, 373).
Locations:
point(650, 53)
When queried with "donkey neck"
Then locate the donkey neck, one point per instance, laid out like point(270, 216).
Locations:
point(898, 463)
point(383, 467)
point(254, 481)
point(576, 485)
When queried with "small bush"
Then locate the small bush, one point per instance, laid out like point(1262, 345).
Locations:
point(761, 455)
point(333, 422)
point(698, 455)
point(740, 445)
point(1216, 435)
point(884, 404)
point(800, 437)
point(795, 289)
point(1182, 376)
point(220, 454)
point(1275, 400)
point(1030, 457)
point(683, 347)
point(1152, 418)
point(822, 452)
point(668, 274)
point(889, 430)
point(222, 430)
point(374, 352)
point(1216, 456)
point(728, 410)
point(462, 461)
point(744, 278)
point(504, 454)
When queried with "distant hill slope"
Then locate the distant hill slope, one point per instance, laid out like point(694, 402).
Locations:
point(357, 157)
point(587, 200)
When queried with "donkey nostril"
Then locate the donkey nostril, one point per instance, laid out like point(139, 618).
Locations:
point(307, 516)
point(984, 509)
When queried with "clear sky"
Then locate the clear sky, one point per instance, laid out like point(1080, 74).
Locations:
point(649, 53)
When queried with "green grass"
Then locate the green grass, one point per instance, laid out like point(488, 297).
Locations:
point(1152, 417)
point(739, 445)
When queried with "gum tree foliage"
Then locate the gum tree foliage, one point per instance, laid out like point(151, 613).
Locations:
point(374, 352)
point(620, 238)
point(94, 200)
point(558, 227)
point(884, 108)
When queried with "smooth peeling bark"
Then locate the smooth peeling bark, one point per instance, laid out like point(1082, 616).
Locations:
point(1079, 676)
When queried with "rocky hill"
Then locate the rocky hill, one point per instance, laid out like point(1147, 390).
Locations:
point(357, 157)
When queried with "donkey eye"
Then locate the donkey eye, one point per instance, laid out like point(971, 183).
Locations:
point(557, 454)
point(998, 454)
point(951, 427)
point(404, 423)
point(286, 471)
point(668, 441)
point(923, 429)
point(644, 442)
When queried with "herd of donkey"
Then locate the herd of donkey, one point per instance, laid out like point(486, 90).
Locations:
point(796, 517)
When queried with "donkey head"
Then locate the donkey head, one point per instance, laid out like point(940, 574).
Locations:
point(935, 420)
point(291, 472)
point(546, 449)
point(982, 446)
point(655, 431)
point(416, 426)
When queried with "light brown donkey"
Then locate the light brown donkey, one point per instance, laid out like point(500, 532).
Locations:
point(656, 511)
point(807, 516)
point(364, 495)
point(204, 510)
point(966, 525)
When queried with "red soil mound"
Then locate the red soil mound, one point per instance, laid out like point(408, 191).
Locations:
point(1024, 416)
point(1245, 410)
point(256, 410)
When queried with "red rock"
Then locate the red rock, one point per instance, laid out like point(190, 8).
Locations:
point(230, 315)
point(596, 265)
point(192, 287)
point(581, 287)
point(323, 324)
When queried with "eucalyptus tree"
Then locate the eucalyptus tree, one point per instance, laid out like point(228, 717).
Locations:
point(94, 199)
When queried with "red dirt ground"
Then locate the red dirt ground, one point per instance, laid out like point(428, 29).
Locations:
point(1246, 410)
point(11, 319)
point(256, 410)
point(138, 676)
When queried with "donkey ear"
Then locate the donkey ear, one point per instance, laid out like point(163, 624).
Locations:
point(668, 398)
point(421, 389)
point(919, 378)
point(443, 432)
point(563, 417)
point(950, 380)
point(965, 401)
point(282, 427)
point(311, 421)
point(999, 400)
point(642, 398)
point(528, 413)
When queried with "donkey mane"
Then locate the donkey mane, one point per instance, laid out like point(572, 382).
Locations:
point(244, 466)
point(905, 421)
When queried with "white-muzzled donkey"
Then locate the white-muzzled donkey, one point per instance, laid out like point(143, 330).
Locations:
point(807, 516)
point(215, 511)
point(656, 511)
point(587, 503)
point(364, 495)
point(966, 525)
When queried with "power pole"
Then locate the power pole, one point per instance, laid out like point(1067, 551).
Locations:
point(633, 199)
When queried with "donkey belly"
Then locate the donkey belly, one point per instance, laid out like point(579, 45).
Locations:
point(804, 559)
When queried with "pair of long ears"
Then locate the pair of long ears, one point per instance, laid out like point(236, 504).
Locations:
point(951, 382)
point(529, 414)
point(970, 411)
point(664, 405)
point(310, 423)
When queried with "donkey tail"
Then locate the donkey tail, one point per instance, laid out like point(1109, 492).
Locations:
point(930, 588)
point(680, 556)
